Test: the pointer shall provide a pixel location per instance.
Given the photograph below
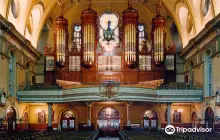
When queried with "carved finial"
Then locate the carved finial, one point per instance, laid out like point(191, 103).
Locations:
point(61, 7)
point(158, 6)
point(129, 3)
point(90, 3)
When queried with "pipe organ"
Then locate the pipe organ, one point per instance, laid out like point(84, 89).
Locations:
point(108, 51)
point(130, 22)
point(158, 36)
point(89, 18)
point(61, 39)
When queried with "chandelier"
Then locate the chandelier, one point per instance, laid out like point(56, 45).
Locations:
point(109, 89)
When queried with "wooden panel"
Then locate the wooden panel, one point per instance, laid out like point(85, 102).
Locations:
point(130, 77)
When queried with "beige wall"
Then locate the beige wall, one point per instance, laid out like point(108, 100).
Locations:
point(198, 76)
point(21, 76)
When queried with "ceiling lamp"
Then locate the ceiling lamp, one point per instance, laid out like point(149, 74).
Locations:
point(158, 36)
point(89, 18)
point(130, 22)
point(109, 89)
point(61, 38)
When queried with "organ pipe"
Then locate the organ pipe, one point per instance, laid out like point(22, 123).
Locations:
point(158, 37)
point(61, 37)
point(89, 18)
point(130, 22)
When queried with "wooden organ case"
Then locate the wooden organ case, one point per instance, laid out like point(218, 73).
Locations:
point(104, 51)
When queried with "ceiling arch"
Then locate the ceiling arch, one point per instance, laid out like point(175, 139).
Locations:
point(193, 7)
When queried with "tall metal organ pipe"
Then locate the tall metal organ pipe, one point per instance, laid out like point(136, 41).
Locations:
point(61, 37)
point(89, 18)
point(130, 23)
point(158, 36)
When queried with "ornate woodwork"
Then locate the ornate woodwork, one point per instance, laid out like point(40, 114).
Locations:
point(101, 50)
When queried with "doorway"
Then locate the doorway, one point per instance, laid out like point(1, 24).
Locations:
point(68, 121)
point(11, 119)
point(209, 118)
point(150, 120)
point(108, 121)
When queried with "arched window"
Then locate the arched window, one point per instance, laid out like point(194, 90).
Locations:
point(141, 35)
point(176, 116)
point(144, 48)
point(76, 38)
point(109, 42)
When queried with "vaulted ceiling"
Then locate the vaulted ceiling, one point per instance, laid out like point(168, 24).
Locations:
point(30, 16)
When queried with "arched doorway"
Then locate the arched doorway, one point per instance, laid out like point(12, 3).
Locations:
point(209, 118)
point(194, 119)
point(108, 121)
point(11, 119)
point(68, 121)
point(150, 119)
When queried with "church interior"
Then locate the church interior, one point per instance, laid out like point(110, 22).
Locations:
point(123, 69)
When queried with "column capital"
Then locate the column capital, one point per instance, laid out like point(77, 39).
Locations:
point(49, 103)
point(128, 103)
point(168, 103)
point(88, 103)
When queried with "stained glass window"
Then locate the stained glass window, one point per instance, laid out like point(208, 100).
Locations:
point(141, 35)
point(10, 77)
point(76, 38)
point(108, 31)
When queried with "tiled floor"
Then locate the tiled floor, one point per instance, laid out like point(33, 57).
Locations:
point(108, 138)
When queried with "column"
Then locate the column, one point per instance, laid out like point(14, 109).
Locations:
point(128, 114)
point(168, 113)
point(89, 114)
point(14, 75)
point(49, 127)
point(191, 74)
point(28, 76)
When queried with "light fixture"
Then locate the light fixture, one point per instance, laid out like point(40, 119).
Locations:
point(180, 110)
point(109, 89)
point(3, 98)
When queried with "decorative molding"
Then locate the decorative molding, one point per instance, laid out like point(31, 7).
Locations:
point(9, 28)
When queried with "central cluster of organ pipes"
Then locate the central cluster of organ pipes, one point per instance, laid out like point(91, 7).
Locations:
point(89, 42)
point(130, 43)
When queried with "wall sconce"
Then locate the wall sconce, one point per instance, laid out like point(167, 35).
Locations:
point(180, 110)
point(3, 98)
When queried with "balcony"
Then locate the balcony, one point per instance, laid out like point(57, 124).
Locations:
point(91, 92)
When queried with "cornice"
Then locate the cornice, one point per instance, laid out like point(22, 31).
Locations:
point(10, 29)
point(210, 27)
